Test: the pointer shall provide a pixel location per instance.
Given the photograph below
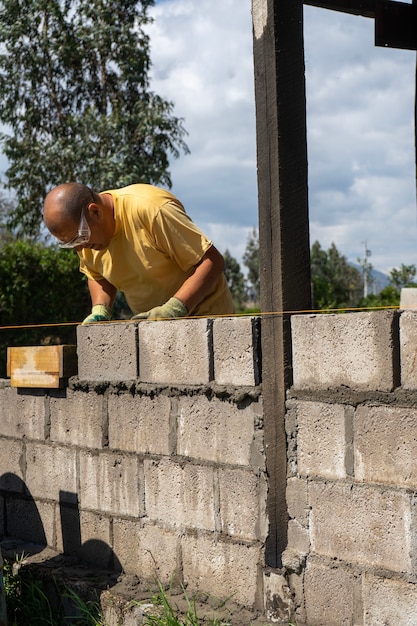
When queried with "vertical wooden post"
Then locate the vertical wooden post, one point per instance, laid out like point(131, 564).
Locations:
point(283, 225)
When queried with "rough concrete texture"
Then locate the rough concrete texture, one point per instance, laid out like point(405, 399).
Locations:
point(107, 351)
point(387, 601)
point(408, 349)
point(408, 298)
point(377, 527)
point(237, 353)
point(328, 424)
point(388, 458)
point(176, 352)
point(354, 350)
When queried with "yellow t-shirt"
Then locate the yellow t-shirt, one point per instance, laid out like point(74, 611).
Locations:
point(154, 249)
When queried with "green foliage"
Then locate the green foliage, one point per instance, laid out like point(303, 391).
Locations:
point(403, 277)
point(235, 280)
point(387, 297)
point(28, 603)
point(74, 94)
point(335, 283)
point(251, 261)
point(39, 285)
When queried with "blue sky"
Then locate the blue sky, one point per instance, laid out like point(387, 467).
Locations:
point(360, 115)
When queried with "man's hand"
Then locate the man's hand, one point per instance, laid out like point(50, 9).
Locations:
point(172, 308)
point(99, 313)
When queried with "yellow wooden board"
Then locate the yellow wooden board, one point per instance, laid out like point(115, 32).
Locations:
point(41, 366)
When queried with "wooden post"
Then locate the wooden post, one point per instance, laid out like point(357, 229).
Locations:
point(283, 225)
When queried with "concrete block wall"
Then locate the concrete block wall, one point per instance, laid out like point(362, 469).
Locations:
point(351, 429)
point(152, 460)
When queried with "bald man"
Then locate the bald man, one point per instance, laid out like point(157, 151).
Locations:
point(139, 240)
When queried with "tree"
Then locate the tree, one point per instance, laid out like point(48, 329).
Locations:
point(235, 280)
point(336, 284)
point(39, 285)
point(251, 261)
point(403, 277)
point(74, 94)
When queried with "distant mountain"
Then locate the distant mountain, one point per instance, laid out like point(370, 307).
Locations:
point(380, 280)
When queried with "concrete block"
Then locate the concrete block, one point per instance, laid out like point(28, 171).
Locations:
point(243, 498)
point(357, 350)
point(331, 596)
point(237, 351)
point(12, 462)
point(107, 352)
point(95, 545)
point(408, 349)
point(408, 298)
point(22, 414)
point(387, 601)
point(139, 423)
point(222, 569)
point(111, 483)
point(376, 529)
point(297, 500)
point(51, 470)
point(216, 430)
point(180, 495)
point(324, 439)
point(33, 522)
point(175, 351)
point(78, 419)
point(277, 597)
point(386, 445)
point(148, 552)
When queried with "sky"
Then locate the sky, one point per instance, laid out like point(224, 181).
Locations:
point(360, 127)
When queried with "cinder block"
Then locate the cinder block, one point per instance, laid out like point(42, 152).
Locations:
point(324, 439)
point(51, 470)
point(237, 351)
point(175, 351)
point(22, 414)
point(408, 298)
point(107, 352)
point(139, 423)
point(180, 495)
point(331, 596)
point(218, 430)
point(375, 529)
point(386, 445)
point(408, 349)
point(297, 500)
point(387, 601)
point(277, 597)
point(243, 498)
point(111, 483)
point(95, 545)
point(12, 460)
point(357, 350)
point(78, 419)
point(150, 552)
point(222, 569)
point(31, 521)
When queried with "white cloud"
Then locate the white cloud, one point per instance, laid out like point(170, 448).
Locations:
point(360, 126)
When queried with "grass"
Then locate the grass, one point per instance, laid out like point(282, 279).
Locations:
point(28, 602)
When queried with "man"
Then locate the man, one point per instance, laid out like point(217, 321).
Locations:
point(139, 240)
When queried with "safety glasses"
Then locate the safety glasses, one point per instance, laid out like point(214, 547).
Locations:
point(83, 235)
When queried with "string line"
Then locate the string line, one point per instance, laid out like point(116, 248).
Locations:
point(243, 314)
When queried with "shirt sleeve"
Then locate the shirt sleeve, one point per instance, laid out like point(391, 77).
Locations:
point(176, 235)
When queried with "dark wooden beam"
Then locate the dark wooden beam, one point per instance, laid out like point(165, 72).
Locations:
point(396, 25)
point(284, 249)
point(366, 8)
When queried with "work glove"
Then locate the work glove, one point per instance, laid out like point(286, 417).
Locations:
point(172, 308)
point(99, 313)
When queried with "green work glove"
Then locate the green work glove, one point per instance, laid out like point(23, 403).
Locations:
point(172, 308)
point(99, 313)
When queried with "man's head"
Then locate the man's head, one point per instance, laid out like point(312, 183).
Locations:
point(78, 216)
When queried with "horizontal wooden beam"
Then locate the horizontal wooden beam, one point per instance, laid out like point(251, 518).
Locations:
point(366, 8)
